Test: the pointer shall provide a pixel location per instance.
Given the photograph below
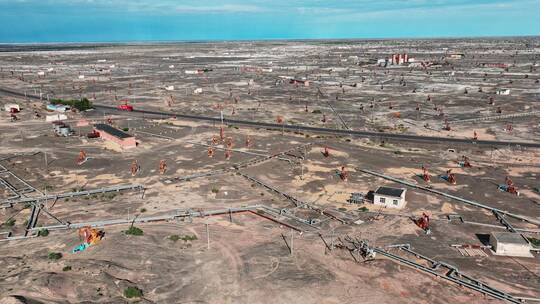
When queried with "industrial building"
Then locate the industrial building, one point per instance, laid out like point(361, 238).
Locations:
point(62, 129)
point(12, 108)
point(390, 197)
point(121, 138)
point(510, 244)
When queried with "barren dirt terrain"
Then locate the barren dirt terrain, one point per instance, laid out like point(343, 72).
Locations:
point(250, 207)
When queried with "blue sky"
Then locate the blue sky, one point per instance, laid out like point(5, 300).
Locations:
point(132, 20)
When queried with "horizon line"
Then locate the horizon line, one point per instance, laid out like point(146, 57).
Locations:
point(161, 41)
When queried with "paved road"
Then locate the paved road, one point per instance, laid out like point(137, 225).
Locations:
point(256, 124)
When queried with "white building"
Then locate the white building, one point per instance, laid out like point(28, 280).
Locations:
point(390, 197)
point(503, 92)
point(55, 117)
point(10, 106)
point(510, 244)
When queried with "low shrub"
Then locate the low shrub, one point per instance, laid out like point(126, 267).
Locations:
point(134, 231)
point(55, 256)
point(133, 292)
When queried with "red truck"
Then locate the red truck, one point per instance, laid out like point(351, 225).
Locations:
point(125, 107)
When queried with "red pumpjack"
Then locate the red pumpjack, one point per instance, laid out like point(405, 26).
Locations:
point(82, 158)
point(450, 177)
point(423, 222)
point(325, 152)
point(344, 175)
point(425, 175)
point(509, 186)
point(465, 163)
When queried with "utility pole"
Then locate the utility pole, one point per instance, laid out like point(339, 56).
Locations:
point(292, 247)
point(332, 240)
point(207, 237)
point(46, 163)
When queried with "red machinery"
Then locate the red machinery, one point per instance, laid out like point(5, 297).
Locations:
point(170, 101)
point(323, 118)
point(210, 152)
point(125, 107)
point(162, 166)
point(93, 134)
point(90, 235)
point(228, 154)
point(450, 177)
point(221, 133)
point(326, 152)
point(475, 135)
point(465, 163)
point(279, 119)
point(248, 141)
point(423, 222)
point(229, 142)
point(446, 125)
point(135, 168)
point(425, 174)
point(509, 127)
point(343, 174)
point(82, 158)
point(509, 186)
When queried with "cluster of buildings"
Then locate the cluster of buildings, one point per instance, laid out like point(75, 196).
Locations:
point(501, 243)
point(395, 59)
